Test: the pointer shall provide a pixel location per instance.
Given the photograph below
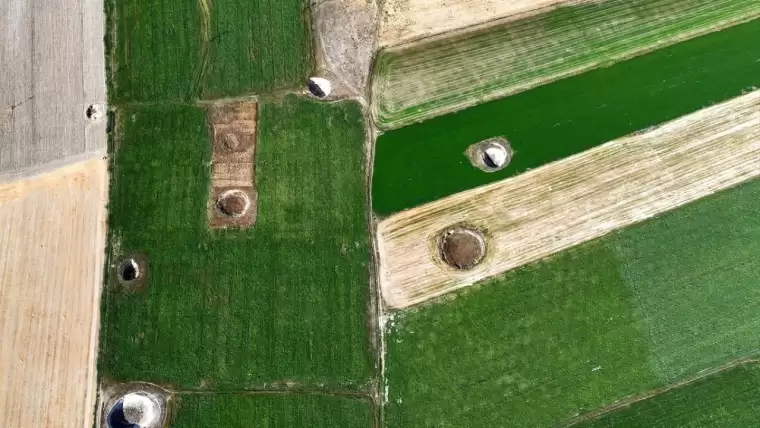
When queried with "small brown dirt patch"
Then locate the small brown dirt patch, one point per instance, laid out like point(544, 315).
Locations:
point(462, 248)
point(232, 199)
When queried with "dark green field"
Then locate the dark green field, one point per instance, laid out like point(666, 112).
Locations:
point(729, 399)
point(180, 51)
point(633, 311)
point(270, 411)
point(426, 161)
point(282, 301)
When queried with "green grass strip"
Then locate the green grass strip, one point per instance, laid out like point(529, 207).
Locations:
point(728, 399)
point(449, 74)
point(160, 51)
point(625, 314)
point(426, 161)
point(270, 411)
point(283, 301)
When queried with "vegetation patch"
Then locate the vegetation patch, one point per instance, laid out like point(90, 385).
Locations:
point(271, 410)
point(642, 308)
point(564, 118)
point(182, 51)
point(420, 81)
point(282, 303)
point(727, 399)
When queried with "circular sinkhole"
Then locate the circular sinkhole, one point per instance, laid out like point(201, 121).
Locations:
point(462, 247)
point(233, 203)
point(94, 112)
point(129, 270)
point(490, 155)
point(319, 87)
point(132, 272)
point(136, 410)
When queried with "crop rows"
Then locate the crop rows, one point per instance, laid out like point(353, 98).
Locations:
point(642, 308)
point(281, 302)
point(416, 82)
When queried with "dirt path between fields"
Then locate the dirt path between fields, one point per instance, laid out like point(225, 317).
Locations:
point(574, 200)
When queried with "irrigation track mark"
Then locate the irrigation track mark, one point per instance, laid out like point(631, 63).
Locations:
point(205, 48)
point(659, 391)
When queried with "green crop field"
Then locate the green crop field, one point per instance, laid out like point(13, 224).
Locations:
point(426, 161)
point(270, 411)
point(180, 51)
point(283, 301)
point(641, 308)
point(414, 83)
point(729, 399)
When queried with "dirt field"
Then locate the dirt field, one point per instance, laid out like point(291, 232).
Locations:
point(407, 20)
point(52, 68)
point(345, 33)
point(233, 129)
point(52, 235)
point(565, 203)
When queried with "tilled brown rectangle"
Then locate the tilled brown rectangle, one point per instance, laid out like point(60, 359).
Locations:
point(233, 131)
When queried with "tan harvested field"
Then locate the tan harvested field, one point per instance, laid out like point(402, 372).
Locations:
point(568, 202)
point(408, 20)
point(52, 238)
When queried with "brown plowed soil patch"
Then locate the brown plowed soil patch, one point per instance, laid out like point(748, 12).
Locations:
point(233, 130)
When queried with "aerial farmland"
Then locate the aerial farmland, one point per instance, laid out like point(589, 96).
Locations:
point(385, 214)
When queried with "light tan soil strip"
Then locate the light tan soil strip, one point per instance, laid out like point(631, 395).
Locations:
point(52, 238)
point(233, 140)
point(408, 20)
point(563, 204)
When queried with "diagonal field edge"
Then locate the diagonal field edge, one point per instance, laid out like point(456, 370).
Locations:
point(568, 202)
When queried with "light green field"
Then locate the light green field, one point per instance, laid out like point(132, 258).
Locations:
point(729, 399)
point(281, 302)
point(271, 411)
point(631, 312)
point(428, 79)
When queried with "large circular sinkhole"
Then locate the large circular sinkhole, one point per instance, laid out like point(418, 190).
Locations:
point(132, 271)
point(490, 155)
point(136, 410)
point(129, 270)
point(233, 203)
point(462, 247)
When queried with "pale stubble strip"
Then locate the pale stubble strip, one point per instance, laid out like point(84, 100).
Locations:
point(52, 246)
point(568, 202)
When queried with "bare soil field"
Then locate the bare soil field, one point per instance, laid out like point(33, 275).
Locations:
point(52, 237)
point(568, 202)
point(408, 20)
point(345, 33)
point(232, 199)
point(52, 68)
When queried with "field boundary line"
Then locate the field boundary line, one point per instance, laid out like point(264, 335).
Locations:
point(627, 402)
point(568, 202)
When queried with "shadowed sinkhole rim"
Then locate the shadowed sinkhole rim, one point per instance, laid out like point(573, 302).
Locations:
point(490, 155)
point(136, 409)
point(461, 247)
point(233, 203)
